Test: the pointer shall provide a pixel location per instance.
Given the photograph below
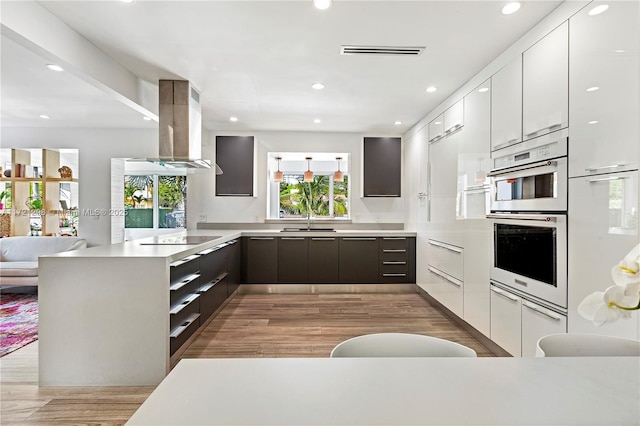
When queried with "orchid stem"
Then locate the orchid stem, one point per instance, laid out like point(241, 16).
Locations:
point(626, 308)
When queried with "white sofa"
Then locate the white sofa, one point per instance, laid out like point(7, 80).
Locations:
point(19, 257)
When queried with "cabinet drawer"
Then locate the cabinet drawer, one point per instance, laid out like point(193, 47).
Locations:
point(538, 321)
point(180, 289)
point(180, 333)
point(394, 277)
point(183, 267)
point(447, 258)
point(183, 310)
point(391, 243)
point(212, 296)
point(506, 320)
point(446, 290)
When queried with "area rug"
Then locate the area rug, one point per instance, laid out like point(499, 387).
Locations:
point(18, 321)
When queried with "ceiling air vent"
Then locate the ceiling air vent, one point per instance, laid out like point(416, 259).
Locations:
point(381, 50)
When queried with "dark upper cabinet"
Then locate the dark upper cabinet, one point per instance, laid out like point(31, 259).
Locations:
point(234, 155)
point(293, 260)
point(382, 167)
point(323, 260)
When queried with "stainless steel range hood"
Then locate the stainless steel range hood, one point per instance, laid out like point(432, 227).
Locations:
point(180, 126)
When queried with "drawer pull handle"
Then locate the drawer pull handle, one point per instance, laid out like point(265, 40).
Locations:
point(552, 127)
point(186, 302)
point(445, 276)
point(394, 251)
point(382, 195)
point(394, 238)
point(187, 280)
point(503, 294)
point(607, 179)
point(323, 239)
point(445, 246)
point(262, 238)
point(394, 263)
point(394, 275)
point(612, 166)
point(358, 239)
point(543, 312)
point(292, 238)
point(182, 327)
point(208, 251)
point(183, 261)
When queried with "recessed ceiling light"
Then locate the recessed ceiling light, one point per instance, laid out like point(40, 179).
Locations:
point(592, 89)
point(322, 4)
point(146, 118)
point(598, 10)
point(510, 8)
point(128, 1)
point(55, 67)
point(317, 121)
point(46, 117)
point(438, 122)
point(593, 122)
point(619, 51)
point(397, 122)
point(233, 118)
point(318, 86)
point(483, 89)
point(431, 89)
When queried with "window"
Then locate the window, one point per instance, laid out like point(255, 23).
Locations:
point(155, 201)
point(321, 198)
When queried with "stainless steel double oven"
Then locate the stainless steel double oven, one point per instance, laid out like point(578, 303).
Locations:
point(529, 218)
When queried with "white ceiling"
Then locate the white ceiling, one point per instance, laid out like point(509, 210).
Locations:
point(256, 60)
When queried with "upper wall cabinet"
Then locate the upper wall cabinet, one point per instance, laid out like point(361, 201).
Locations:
point(545, 84)
point(603, 75)
point(454, 117)
point(506, 105)
point(382, 167)
point(234, 155)
point(436, 128)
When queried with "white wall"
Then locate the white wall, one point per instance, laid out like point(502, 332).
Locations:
point(205, 206)
point(95, 147)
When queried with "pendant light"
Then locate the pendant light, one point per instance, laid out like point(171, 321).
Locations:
point(278, 175)
point(337, 175)
point(308, 175)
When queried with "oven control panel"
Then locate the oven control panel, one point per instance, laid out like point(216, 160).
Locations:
point(532, 151)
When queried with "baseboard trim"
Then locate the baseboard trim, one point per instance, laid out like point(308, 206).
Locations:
point(325, 288)
point(484, 340)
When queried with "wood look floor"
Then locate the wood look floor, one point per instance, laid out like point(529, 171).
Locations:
point(251, 325)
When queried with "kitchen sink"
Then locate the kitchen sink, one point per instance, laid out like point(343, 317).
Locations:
point(308, 230)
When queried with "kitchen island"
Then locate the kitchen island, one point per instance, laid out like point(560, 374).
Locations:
point(106, 313)
point(397, 391)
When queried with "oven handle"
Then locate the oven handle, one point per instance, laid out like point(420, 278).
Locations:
point(498, 172)
point(540, 218)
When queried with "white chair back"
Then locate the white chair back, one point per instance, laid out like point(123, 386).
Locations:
point(400, 345)
point(578, 344)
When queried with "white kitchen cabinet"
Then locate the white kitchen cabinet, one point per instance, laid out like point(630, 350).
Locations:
point(603, 80)
point(506, 105)
point(506, 320)
point(538, 321)
point(454, 117)
point(446, 258)
point(474, 161)
point(603, 228)
point(445, 289)
point(545, 84)
point(445, 193)
point(477, 259)
point(436, 128)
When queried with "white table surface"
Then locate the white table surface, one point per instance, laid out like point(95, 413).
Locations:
point(400, 391)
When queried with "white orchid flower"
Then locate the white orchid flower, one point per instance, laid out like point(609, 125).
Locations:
point(619, 300)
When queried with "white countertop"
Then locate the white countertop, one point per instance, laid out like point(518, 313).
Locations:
point(174, 252)
point(397, 391)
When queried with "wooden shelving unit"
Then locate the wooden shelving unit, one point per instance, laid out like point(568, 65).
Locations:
point(22, 189)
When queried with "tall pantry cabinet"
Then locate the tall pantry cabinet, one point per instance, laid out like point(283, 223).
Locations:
point(603, 149)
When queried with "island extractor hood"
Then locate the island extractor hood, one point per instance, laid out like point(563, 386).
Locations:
point(180, 126)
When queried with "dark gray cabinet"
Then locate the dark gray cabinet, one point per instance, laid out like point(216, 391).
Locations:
point(382, 167)
point(358, 260)
point(184, 300)
point(293, 260)
point(234, 265)
point(213, 288)
point(234, 155)
point(260, 255)
point(323, 260)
